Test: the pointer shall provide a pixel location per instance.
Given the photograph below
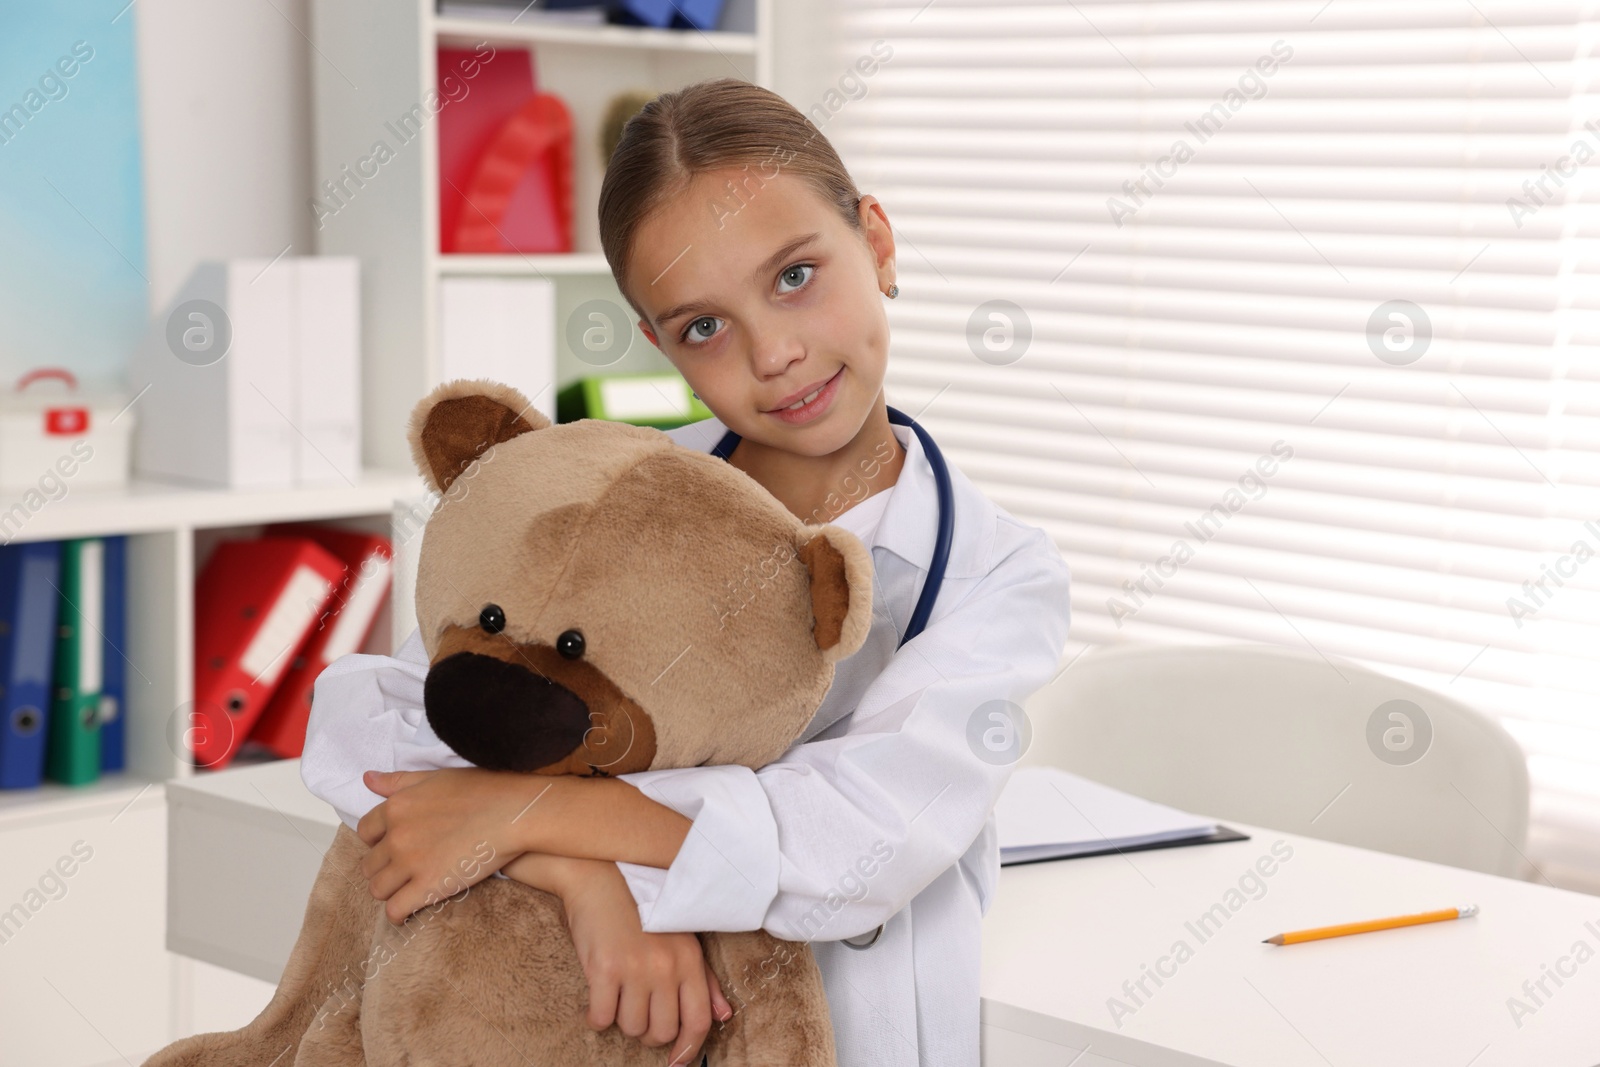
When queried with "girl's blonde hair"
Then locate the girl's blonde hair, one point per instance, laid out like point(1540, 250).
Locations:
point(709, 125)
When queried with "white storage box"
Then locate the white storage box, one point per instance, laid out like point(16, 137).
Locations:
point(48, 429)
point(253, 373)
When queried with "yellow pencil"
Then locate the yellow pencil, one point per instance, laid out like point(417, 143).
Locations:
point(1374, 924)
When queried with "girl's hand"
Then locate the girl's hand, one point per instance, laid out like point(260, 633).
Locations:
point(655, 987)
point(440, 831)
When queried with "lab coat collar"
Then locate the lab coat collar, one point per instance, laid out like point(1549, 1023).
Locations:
point(910, 520)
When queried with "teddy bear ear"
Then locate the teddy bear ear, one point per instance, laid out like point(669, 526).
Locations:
point(841, 589)
point(459, 420)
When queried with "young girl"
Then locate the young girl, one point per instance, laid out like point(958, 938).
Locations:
point(759, 271)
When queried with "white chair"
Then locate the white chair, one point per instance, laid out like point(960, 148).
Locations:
point(1286, 739)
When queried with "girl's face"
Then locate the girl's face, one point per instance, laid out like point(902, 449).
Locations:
point(759, 299)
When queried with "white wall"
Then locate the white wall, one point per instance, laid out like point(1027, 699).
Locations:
point(225, 102)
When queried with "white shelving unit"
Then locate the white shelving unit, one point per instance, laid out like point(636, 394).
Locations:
point(376, 60)
point(85, 968)
point(576, 263)
point(529, 30)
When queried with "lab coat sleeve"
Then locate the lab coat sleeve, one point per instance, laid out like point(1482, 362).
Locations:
point(367, 714)
point(839, 834)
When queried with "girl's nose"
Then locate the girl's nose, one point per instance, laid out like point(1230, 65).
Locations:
point(773, 349)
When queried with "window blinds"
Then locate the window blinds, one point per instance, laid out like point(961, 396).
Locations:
point(1279, 316)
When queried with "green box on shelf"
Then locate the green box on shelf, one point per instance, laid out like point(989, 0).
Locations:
point(648, 399)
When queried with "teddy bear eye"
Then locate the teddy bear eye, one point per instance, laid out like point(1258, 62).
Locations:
point(492, 619)
point(570, 643)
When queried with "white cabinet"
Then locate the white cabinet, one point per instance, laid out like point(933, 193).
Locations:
point(248, 842)
point(85, 975)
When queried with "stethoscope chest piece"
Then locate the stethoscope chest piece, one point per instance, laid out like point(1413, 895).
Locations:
point(864, 940)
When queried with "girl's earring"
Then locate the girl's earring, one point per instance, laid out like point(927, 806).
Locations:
point(894, 291)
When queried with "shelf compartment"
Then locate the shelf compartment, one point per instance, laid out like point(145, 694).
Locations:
point(171, 529)
point(454, 31)
point(585, 263)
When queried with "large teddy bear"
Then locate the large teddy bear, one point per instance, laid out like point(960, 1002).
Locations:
point(594, 599)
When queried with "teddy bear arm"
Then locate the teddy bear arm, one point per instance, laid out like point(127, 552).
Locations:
point(779, 1004)
point(493, 970)
point(319, 992)
point(334, 1039)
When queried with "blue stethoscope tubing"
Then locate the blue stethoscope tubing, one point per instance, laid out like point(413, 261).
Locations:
point(936, 566)
point(941, 540)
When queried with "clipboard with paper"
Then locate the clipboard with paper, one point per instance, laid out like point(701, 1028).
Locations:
point(1045, 813)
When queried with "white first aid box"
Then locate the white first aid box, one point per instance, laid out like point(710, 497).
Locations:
point(51, 432)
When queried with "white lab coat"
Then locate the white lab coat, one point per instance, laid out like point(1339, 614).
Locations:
point(880, 814)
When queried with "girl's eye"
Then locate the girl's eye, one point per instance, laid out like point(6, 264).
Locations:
point(704, 328)
point(797, 274)
point(693, 335)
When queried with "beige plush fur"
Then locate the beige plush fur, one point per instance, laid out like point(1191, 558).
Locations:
point(595, 600)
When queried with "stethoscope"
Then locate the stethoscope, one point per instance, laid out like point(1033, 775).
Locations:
point(936, 566)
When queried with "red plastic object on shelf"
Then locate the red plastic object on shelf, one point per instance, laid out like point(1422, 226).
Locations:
point(520, 196)
point(470, 116)
point(505, 160)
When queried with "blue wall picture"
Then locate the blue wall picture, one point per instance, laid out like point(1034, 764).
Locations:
point(73, 287)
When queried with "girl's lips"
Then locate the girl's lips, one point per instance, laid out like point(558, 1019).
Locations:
point(815, 408)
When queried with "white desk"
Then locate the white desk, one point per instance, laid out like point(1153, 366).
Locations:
point(1062, 937)
point(243, 847)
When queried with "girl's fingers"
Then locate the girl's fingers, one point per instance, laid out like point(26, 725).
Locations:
point(719, 1003)
point(633, 1011)
point(373, 861)
point(602, 1003)
point(694, 1011)
point(387, 783)
point(372, 826)
point(386, 882)
point(398, 908)
point(663, 1017)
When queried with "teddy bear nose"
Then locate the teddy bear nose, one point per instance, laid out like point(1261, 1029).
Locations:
point(502, 716)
